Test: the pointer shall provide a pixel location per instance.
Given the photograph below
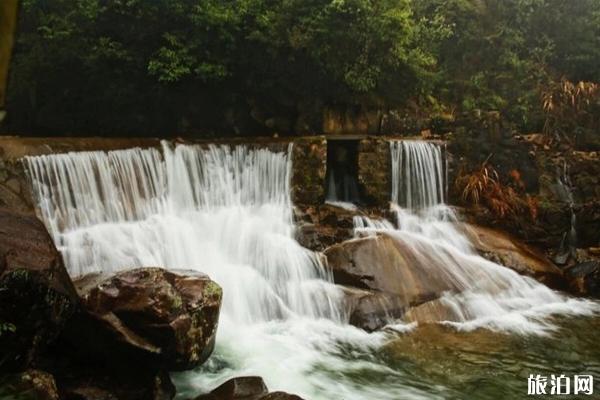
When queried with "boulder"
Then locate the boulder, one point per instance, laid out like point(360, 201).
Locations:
point(30, 384)
point(584, 278)
point(384, 277)
point(245, 388)
point(161, 319)
point(36, 293)
point(506, 250)
point(384, 264)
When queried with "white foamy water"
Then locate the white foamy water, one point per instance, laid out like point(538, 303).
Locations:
point(227, 212)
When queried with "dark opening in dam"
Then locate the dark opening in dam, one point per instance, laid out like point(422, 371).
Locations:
point(342, 171)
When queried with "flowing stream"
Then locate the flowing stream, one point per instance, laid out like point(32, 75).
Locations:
point(227, 212)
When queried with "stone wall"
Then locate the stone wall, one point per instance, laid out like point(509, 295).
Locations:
point(374, 170)
point(14, 189)
point(309, 168)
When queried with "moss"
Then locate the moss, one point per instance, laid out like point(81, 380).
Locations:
point(213, 290)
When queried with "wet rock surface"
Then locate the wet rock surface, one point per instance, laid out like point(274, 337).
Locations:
point(384, 264)
point(371, 310)
point(36, 293)
point(584, 278)
point(506, 250)
point(157, 317)
point(318, 227)
point(245, 388)
point(431, 312)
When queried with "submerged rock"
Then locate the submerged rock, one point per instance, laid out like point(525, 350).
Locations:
point(36, 293)
point(245, 388)
point(161, 319)
point(508, 251)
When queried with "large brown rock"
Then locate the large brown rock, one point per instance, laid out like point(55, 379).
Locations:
point(504, 249)
point(162, 319)
point(36, 293)
point(389, 275)
point(384, 264)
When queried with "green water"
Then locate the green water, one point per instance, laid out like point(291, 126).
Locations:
point(482, 364)
point(430, 362)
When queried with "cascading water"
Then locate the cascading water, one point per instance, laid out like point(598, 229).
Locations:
point(224, 212)
point(227, 212)
point(418, 174)
point(483, 294)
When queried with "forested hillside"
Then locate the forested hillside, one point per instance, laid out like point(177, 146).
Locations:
point(243, 67)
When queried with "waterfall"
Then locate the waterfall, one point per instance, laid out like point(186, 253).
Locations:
point(226, 212)
point(484, 294)
point(418, 169)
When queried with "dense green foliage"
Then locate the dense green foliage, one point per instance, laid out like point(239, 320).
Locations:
point(255, 66)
